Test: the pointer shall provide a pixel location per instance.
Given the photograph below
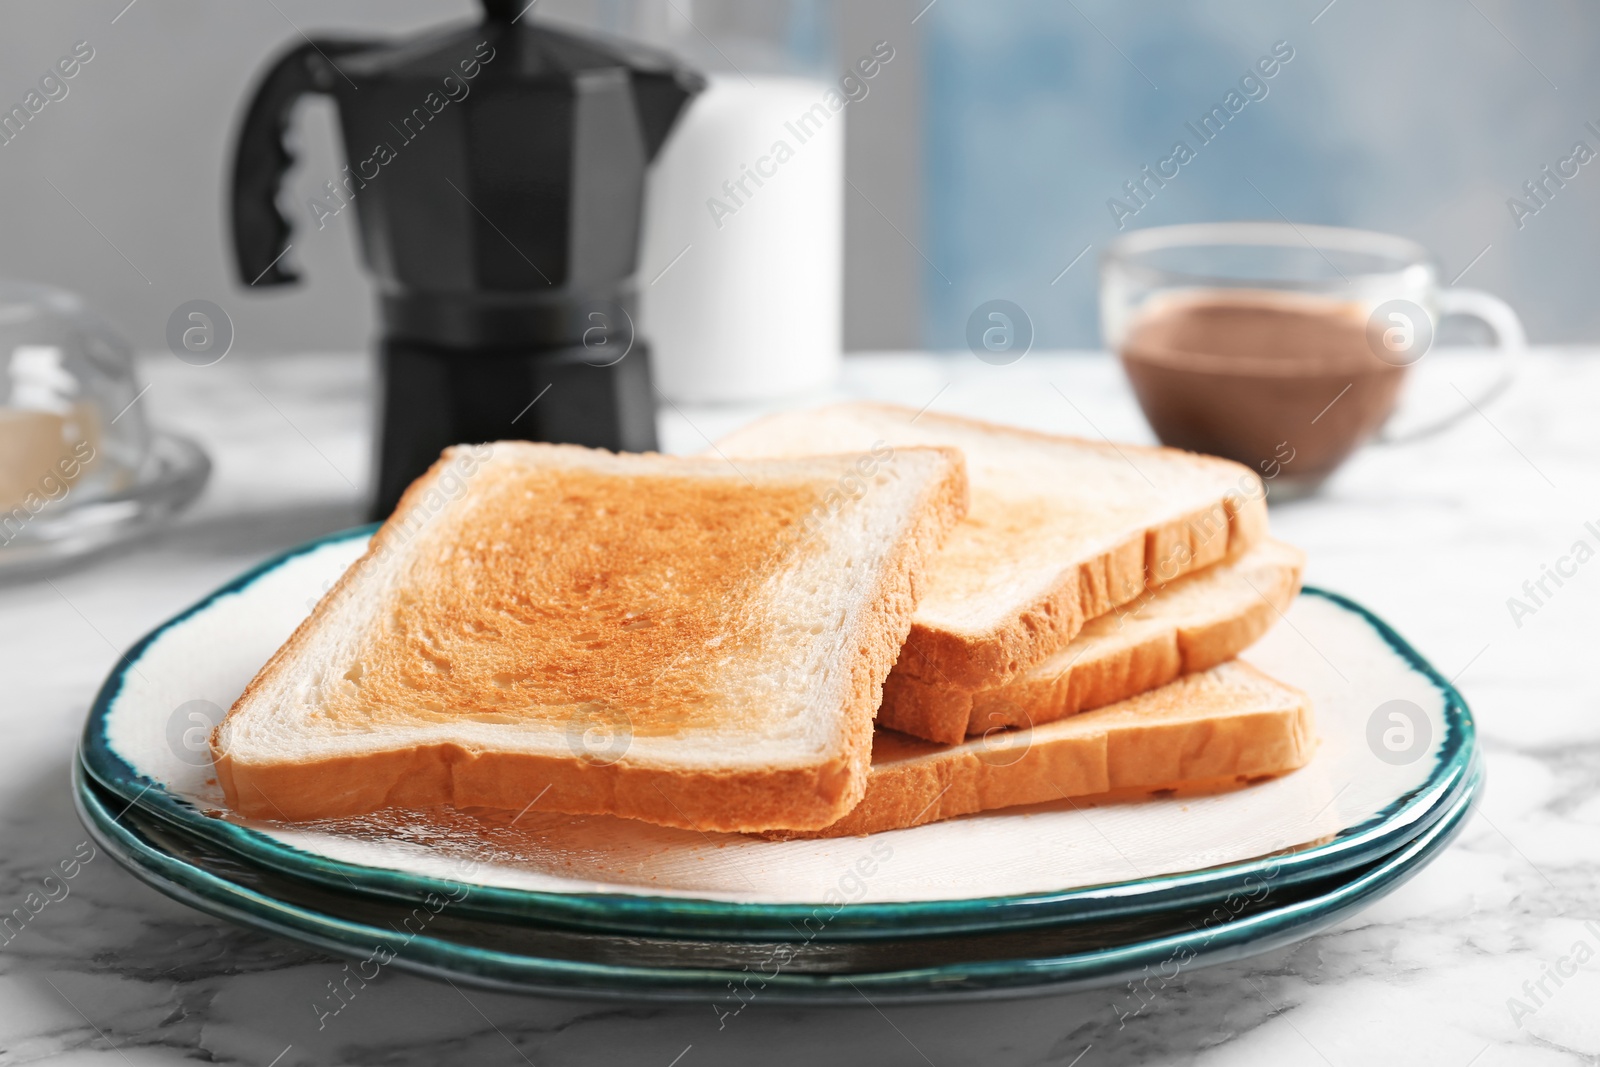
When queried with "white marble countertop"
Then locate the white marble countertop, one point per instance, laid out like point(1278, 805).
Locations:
point(1434, 537)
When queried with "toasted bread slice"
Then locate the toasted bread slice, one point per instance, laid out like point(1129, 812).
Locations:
point(661, 638)
point(1196, 622)
point(1061, 530)
point(1229, 723)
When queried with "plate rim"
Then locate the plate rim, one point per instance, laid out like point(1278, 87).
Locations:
point(1408, 816)
point(439, 958)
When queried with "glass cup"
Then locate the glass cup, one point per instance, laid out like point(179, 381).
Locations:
point(1281, 346)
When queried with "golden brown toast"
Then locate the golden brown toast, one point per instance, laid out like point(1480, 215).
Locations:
point(676, 640)
point(1061, 530)
point(1195, 622)
point(1229, 723)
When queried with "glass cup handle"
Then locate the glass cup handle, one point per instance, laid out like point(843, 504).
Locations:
point(1510, 341)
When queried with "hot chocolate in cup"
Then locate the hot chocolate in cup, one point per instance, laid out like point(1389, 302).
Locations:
point(1281, 347)
point(1253, 375)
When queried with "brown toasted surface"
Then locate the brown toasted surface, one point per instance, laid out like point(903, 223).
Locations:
point(1187, 625)
point(520, 608)
point(567, 589)
point(1039, 554)
point(1232, 721)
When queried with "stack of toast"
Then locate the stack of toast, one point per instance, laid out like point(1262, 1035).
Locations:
point(841, 621)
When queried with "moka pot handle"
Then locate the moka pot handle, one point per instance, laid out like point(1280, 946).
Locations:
point(261, 157)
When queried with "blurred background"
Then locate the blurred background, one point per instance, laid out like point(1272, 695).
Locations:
point(980, 165)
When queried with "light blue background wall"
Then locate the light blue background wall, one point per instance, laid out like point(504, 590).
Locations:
point(1418, 118)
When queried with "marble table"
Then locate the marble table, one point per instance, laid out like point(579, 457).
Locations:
point(1435, 536)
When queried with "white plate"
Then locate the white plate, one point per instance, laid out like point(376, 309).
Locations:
point(1349, 805)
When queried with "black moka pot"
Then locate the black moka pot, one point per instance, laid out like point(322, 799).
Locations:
point(497, 172)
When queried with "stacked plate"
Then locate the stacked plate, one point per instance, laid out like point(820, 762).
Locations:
point(1006, 903)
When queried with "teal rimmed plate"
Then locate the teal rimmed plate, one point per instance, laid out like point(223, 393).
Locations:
point(437, 942)
point(1373, 787)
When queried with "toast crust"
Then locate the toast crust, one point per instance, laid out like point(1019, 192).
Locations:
point(757, 798)
point(1099, 667)
point(1175, 736)
point(427, 775)
point(1150, 556)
